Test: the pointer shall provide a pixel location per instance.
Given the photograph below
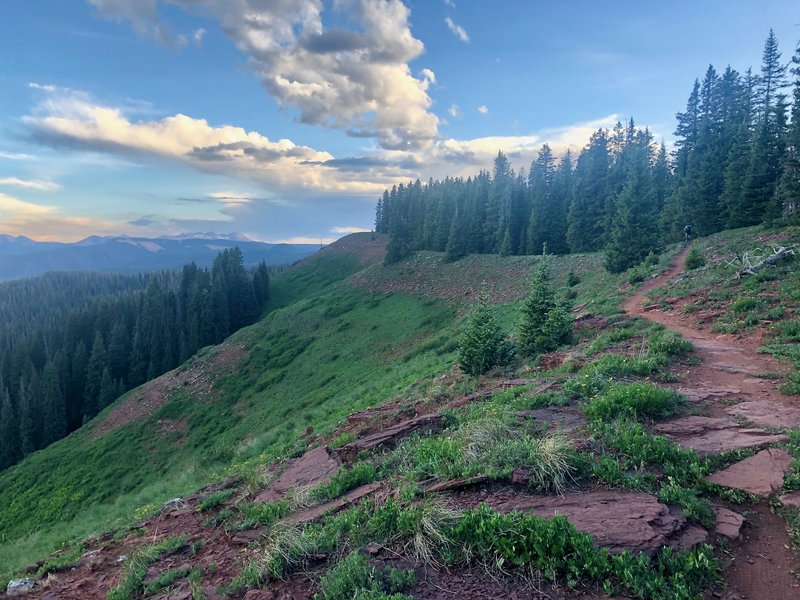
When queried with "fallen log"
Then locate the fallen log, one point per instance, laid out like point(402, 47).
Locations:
point(748, 268)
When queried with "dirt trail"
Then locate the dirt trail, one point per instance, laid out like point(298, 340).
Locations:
point(763, 561)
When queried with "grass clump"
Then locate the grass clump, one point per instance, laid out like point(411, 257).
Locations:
point(353, 577)
point(215, 499)
point(131, 585)
point(490, 446)
point(166, 579)
point(361, 473)
point(637, 400)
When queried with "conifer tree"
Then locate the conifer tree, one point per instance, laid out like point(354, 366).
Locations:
point(483, 344)
point(27, 419)
point(544, 324)
point(634, 231)
point(54, 413)
point(9, 430)
point(589, 204)
point(94, 375)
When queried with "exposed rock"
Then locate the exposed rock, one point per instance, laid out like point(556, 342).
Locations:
point(761, 474)
point(122, 558)
point(20, 587)
point(389, 437)
point(173, 504)
point(734, 368)
point(244, 538)
point(729, 523)
point(455, 484)
point(567, 418)
point(618, 520)
point(314, 467)
point(767, 413)
point(707, 393)
point(791, 499)
point(334, 506)
point(709, 435)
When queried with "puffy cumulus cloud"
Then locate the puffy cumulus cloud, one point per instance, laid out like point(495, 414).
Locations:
point(31, 184)
point(457, 30)
point(73, 119)
point(357, 80)
point(42, 222)
point(454, 111)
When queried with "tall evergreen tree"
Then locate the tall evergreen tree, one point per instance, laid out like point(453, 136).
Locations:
point(588, 206)
point(98, 361)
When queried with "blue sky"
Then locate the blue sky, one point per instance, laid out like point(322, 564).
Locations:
point(284, 119)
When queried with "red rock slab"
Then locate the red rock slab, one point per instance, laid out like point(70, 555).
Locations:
point(617, 520)
point(767, 413)
point(706, 393)
point(761, 474)
point(729, 523)
point(314, 467)
point(791, 499)
point(334, 506)
point(710, 435)
point(389, 437)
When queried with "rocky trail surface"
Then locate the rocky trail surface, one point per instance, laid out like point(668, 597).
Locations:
point(745, 411)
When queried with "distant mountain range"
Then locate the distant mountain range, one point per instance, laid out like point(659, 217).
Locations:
point(21, 256)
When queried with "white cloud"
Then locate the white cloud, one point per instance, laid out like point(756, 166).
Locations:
point(450, 3)
point(16, 156)
point(31, 184)
point(457, 30)
point(232, 197)
point(198, 36)
point(73, 119)
point(454, 111)
point(428, 75)
point(346, 230)
point(301, 239)
point(38, 221)
point(357, 80)
point(483, 109)
point(143, 16)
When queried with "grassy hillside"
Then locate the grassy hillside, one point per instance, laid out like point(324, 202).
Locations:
point(336, 340)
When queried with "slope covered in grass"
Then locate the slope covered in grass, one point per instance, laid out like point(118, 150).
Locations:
point(330, 345)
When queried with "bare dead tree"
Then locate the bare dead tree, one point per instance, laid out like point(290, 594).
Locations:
point(752, 261)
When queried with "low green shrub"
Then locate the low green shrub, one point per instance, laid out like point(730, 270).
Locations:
point(637, 400)
point(695, 259)
point(557, 551)
point(572, 279)
point(743, 305)
point(353, 577)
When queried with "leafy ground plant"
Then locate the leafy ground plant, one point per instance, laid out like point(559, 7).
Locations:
point(353, 577)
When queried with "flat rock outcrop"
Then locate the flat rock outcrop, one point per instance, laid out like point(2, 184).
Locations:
point(334, 506)
point(761, 474)
point(710, 435)
point(314, 467)
point(767, 413)
point(700, 394)
point(389, 437)
point(617, 520)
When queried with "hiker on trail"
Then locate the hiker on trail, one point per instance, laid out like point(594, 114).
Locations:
point(687, 232)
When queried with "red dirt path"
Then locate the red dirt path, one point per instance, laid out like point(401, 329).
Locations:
point(763, 562)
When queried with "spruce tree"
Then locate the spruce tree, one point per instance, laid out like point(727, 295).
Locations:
point(544, 324)
point(634, 231)
point(483, 344)
point(54, 413)
point(27, 419)
point(9, 430)
point(94, 375)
